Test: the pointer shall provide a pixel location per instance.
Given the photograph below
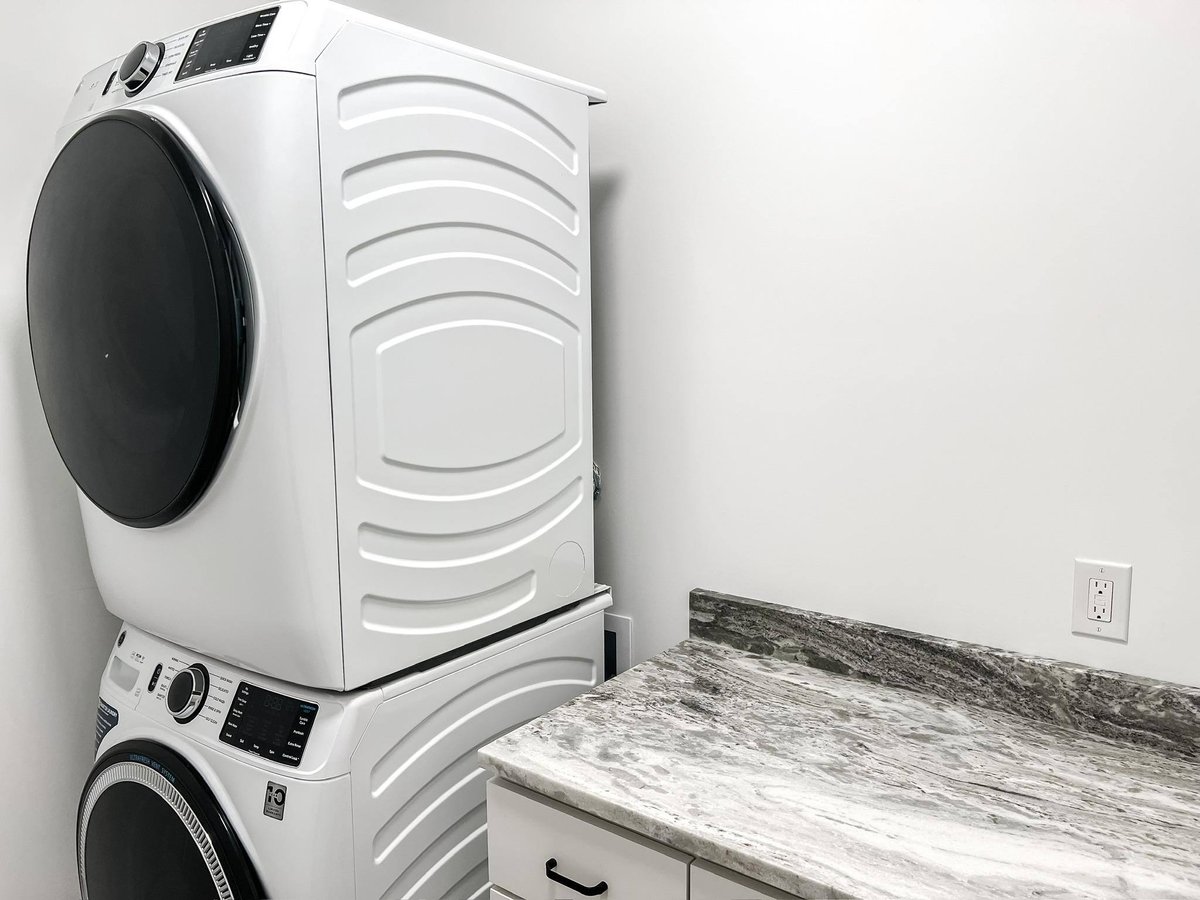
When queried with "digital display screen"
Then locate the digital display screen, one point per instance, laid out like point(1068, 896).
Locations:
point(229, 43)
point(268, 724)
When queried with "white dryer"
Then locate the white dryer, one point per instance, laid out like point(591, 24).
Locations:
point(310, 313)
point(214, 782)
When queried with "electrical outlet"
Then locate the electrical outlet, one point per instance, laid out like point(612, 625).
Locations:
point(1100, 594)
point(618, 644)
point(1101, 599)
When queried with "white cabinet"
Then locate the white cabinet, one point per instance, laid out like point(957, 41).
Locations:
point(711, 882)
point(538, 848)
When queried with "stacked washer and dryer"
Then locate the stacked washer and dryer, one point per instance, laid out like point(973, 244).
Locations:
point(309, 306)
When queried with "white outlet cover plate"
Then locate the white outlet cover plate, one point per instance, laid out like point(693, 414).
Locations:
point(1121, 575)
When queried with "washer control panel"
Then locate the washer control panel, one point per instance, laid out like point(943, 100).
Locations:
point(209, 703)
point(273, 726)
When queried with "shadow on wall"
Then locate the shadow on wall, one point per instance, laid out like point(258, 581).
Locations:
point(605, 187)
point(57, 635)
point(46, 509)
point(44, 495)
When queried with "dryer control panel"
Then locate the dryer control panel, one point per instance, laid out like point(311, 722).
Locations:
point(229, 43)
point(226, 47)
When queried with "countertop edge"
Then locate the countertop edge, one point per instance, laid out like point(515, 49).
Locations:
point(656, 830)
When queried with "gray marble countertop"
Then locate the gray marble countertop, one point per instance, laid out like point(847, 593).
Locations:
point(826, 785)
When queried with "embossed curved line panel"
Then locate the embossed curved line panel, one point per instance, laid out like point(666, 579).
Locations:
point(506, 403)
point(456, 785)
point(413, 206)
point(400, 615)
point(439, 134)
point(390, 252)
point(422, 841)
point(417, 550)
point(457, 261)
point(447, 279)
point(395, 241)
point(418, 788)
point(370, 102)
point(500, 700)
point(440, 169)
point(455, 861)
point(443, 193)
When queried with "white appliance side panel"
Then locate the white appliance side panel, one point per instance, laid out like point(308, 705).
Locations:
point(249, 574)
point(418, 789)
point(457, 254)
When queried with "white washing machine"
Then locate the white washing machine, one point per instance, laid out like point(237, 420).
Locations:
point(214, 782)
point(309, 303)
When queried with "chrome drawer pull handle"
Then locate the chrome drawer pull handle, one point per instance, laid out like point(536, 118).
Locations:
point(594, 891)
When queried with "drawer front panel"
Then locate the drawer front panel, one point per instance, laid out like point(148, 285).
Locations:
point(526, 830)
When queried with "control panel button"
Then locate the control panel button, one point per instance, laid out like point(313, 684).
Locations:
point(185, 696)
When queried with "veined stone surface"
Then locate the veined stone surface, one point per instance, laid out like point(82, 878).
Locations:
point(1154, 713)
point(828, 785)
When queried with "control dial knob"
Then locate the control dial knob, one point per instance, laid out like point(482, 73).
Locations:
point(185, 696)
point(139, 66)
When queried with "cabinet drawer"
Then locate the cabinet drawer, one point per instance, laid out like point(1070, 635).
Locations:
point(711, 882)
point(526, 830)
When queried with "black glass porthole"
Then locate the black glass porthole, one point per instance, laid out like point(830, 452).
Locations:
point(137, 305)
point(149, 828)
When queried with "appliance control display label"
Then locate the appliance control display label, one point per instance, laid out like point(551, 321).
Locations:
point(106, 720)
point(229, 43)
point(268, 724)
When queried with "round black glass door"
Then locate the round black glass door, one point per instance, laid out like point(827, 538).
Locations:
point(136, 319)
point(150, 829)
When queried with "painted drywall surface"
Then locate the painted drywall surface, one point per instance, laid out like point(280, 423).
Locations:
point(896, 306)
point(54, 631)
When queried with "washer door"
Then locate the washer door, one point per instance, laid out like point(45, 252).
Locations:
point(149, 829)
point(136, 296)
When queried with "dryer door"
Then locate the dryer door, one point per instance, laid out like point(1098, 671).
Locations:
point(136, 294)
point(149, 828)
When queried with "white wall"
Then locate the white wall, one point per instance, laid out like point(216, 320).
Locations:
point(54, 632)
point(896, 305)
